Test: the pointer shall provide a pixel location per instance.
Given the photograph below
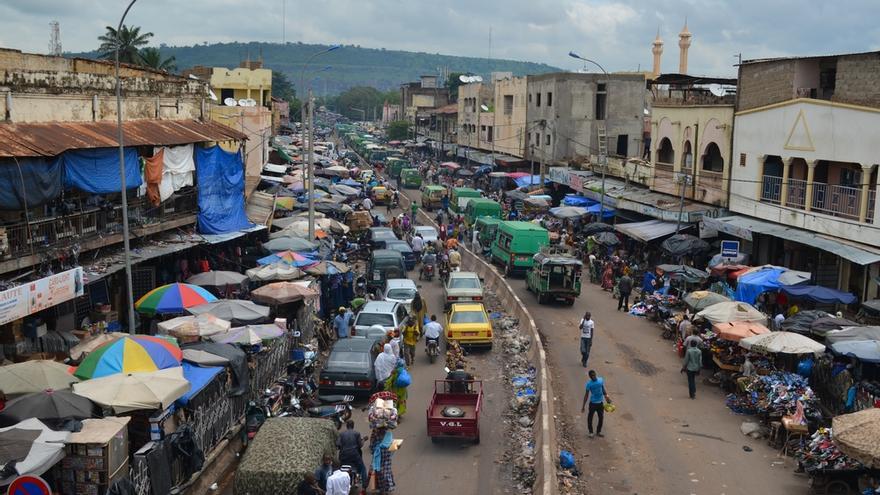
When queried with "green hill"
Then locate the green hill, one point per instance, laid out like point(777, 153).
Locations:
point(351, 65)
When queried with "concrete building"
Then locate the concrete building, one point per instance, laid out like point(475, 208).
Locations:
point(692, 136)
point(417, 99)
point(249, 80)
point(390, 112)
point(572, 115)
point(805, 167)
point(510, 116)
point(476, 115)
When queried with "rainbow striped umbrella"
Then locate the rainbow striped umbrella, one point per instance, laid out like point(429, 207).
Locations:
point(134, 354)
point(173, 298)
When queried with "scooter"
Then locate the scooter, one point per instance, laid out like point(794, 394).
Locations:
point(338, 413)
point(432, 348)
point(427, 272)
point(254, 419)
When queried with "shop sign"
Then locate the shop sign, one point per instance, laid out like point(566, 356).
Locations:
point(727, 228)
point(41, 294)
point(729, 249)
point(559, 175)
point(575, 182)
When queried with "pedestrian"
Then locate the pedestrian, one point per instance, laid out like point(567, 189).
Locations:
point(597, 395)
point(380, 446)
point(445, 201)
point(367, 203)
point(410, 339)
point(341, 323)
point(624, 288)
point(693, 362)
point(350, 444)
point(586, 325)
point(693, 337)
point(324, 471)
point(308, 486)
point(777, 321)
point(339, 483)
point(418, 244)
point(419, 308)
point(414, 209)
point(384, 364)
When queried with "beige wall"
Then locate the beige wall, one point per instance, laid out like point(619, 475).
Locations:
point(471, 116)
point(680, 124)
point(256, 123)
point(247, 83)
point(510, 122)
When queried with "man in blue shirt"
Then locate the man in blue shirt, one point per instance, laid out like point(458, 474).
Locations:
point(595, 392)
point(341, 323)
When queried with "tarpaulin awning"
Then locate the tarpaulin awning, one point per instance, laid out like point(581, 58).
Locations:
point(576, 200)
point(867, 351)
point(750, 286)
point(29, 181)
point(648, 230)
point(738, 330)
point(853, 333)
point(198, 377)
point(221, 191)
point(802, 321)
point(97, 170)
point(819, 294)
point(529, 180)
point(822, 326)
point(782, 343)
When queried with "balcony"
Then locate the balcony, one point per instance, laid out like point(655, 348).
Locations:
point(771, 190)
point(91, 223)
point(837, 201)
point(828, 199)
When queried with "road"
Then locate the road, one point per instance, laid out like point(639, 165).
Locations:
point(658, 440)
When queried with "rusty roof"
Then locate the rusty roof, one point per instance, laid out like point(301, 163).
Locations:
point(450, 109)
point(54, 138)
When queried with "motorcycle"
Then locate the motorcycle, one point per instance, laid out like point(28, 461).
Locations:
point(427, 272)
point(360, 287)
point(444, 273)
point(338, 413)
point(670, 326)
point(432, 348)
point(254, 419)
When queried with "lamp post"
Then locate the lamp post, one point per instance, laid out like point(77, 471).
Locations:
point(603, 160)
point(120, 136)
point(311, 165)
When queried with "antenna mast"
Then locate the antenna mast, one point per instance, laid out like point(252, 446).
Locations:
point(55, 39)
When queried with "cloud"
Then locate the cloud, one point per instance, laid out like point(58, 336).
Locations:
point(616, 33)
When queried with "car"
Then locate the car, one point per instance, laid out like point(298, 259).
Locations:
point(429, 234)
point(381, 195)
point(378, 236)
point(463, 286)
point(409, 257)
point(469, 325)
point(400, 290)
point(349, 369)
point(384, 264)
point(386, 313)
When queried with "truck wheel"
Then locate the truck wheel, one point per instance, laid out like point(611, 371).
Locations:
point(837, 487)
point(435, 440)
point(507, 270)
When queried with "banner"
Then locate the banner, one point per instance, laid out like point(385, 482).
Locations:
point(41, 294)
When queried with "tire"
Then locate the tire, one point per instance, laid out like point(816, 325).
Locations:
point(507, 270)
point(542, 299)
point(432, 357)
point(837, 487)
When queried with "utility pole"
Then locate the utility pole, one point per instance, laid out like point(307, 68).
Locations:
point(532, 164)
point(311, 168)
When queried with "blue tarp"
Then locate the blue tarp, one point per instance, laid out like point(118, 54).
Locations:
point(220, 176)
point(819, 294)
point(97, 170)
point(529, 180)
point(608, 212)
point(750, 286)
point(42, 182)
point(578, 200)
point(867, 351)
point(198, 378)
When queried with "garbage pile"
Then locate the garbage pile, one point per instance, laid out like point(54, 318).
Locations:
point(777, 394)
point(520, 416)
point(821, 454)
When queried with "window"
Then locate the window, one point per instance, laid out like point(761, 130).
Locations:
point(464, 283)
point(401, 294)
point(508, 104)
point(665, 153)
point(548, 140)
point(742, 159)
point(601, 97)
point(489, 133)
point(530, 97)
point(537, 99)
point(370, 319)
point(622, 144)
point(850, 178)
point(468, 317)
point(537, 139)
point(712, 160)
point(226, 93)
point(549, 99)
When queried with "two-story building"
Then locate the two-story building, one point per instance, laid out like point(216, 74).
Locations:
point(804, 173)
point(418, 99)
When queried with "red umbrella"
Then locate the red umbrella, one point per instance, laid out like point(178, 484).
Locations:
point(450, 165)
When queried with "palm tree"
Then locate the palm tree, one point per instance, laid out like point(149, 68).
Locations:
point(130, 42)
point(152, 57)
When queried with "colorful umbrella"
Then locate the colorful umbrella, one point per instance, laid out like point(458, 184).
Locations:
point(289, 257)
point(173, 298)
point(138, 353)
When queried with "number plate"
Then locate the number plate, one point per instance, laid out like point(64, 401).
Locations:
point(345, 384)
point(470, 334)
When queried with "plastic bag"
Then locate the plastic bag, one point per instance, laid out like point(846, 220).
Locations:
point(403, 378)
point(609, 408)
point(566, 459)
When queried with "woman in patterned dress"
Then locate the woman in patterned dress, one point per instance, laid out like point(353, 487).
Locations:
point(380, 442)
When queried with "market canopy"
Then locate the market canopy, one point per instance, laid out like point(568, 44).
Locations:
point(30, 447)
point(606, 239)
point(853, 333)
point(858, 436)
point(289, 244)
point(867, 351)
point(132, 353)
point(822, 326)
point(684, 245)
point(568, 212)
point(738, 330)
point(53, 407)
point(194, 326)
point(647, 231)
point(819, 294)
point(595, 228)
point(577, 200)
point(282, 293)
point(34, 376)
point(801, 321)
point(237, 311)
point(687, 273)
point(327, 268)
point(702, 299)
point(217, 278)
point(782, 343)
point(751, 285)
point(136, 391)
point(274, 271)
point(173, 298)
point(198, 377)
point(289, 257)
point(732, 311)
point(87, 346)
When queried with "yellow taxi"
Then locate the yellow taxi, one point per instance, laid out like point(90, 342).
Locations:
point(469, 324)
point(381, 194)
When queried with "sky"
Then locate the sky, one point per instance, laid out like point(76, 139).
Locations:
point(615, 33)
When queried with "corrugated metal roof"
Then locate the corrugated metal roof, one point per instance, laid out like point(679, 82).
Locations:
point(54, 138)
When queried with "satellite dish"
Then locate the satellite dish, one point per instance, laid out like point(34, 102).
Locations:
point(212, 94)
point(251, 102)
point(484, 108)
point(463, 78)
point(243, 102)
point(230, 102)
point(193, 76)
point(477, 78)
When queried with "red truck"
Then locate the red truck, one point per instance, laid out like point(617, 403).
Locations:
point(455, 410)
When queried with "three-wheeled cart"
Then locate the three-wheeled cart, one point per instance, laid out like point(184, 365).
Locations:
point(454, 410)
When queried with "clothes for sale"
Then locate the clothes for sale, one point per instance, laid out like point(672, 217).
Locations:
point(777, 393)
point(821, 454)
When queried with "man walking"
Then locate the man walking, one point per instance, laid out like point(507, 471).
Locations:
point(693, 362)
point(624, 288)
point(597, 395)
point(350, 444)
point(586, 325)
point(410, 336)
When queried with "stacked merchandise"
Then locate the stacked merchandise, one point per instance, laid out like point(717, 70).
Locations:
point(382, 413)
point(822, 454)
point(776, 394)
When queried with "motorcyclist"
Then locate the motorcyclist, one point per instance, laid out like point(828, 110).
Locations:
point(454, 260)
point(432, 331)
point(460, 379)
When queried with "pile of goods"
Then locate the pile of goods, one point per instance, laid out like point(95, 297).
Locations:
point(822, 454)
point(776, 394)
point(382, 413)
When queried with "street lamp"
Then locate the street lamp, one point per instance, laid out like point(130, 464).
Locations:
point(311, 165)
point(125, 232)
point(602, 158)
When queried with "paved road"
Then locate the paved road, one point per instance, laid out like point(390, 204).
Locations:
point(658, 440)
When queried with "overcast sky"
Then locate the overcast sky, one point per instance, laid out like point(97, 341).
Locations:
point(617, 34)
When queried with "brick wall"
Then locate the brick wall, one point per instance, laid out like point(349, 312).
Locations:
point(766, 83)
point(857, 79)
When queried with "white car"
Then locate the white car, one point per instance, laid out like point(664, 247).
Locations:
point(429, 234)
point(400, 290)
point(463, 287)
point(385, 313)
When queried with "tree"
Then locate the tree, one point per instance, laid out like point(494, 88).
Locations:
point(130, 42)
point(452, 83)
point(360, 102)
point(152, 57)
point(397, 130)
point(392, 97)
point(282, 88)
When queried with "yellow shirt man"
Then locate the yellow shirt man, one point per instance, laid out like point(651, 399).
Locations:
point(410, 334)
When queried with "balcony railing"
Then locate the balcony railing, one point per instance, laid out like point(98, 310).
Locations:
point(89, 222)
point(797, 193)
point(771, 191)
point(838, 201)
point(872, 203)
